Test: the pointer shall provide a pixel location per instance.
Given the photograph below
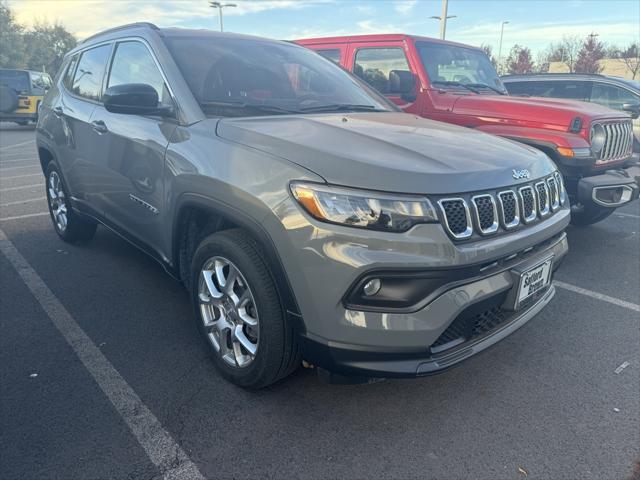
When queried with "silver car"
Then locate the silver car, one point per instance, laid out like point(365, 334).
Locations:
point(306, 215)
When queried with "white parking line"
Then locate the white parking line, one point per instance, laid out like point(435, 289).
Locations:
point(20, 202)
point(31, 165)
point(630, 215)
point(22, 176)
point(26, 215)
point(7, 147)
point(160, 447)
point(600, 296)
point(17, 160)
point(21, 187)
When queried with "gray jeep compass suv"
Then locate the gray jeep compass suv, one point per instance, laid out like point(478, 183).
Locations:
point(307, 217)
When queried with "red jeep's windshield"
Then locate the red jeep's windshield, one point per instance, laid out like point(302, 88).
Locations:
point(456, 66)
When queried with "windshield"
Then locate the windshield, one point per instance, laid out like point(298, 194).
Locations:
point(448, 65)
point(16, 80)
point(243, 77)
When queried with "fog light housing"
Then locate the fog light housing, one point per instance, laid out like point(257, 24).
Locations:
point(372, 287)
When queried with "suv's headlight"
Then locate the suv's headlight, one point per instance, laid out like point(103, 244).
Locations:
point(362, 208)
point(598, 137)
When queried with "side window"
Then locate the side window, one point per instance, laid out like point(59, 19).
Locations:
point(374, 66)
point(87, 81)
point(612, 96)
point(71, 69)
point(551, 88)
point(570, 90)
point(332, 54)
point(133, 63)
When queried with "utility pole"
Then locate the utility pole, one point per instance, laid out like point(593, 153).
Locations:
point(443, 18)
point(220, 6)
point(500, 47)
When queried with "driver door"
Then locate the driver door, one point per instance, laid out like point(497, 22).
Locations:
point(130, 164)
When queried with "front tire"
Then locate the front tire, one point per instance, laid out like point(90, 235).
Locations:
point(238, 311)
point(589, 215)
point(67, 224)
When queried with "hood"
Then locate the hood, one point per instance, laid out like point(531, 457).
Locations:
point(545, 111)
point(393, 152)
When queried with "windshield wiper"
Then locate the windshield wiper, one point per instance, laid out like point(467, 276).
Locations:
point(455, 84)
point(340, 107)
point(484, 85)
point(254, 106)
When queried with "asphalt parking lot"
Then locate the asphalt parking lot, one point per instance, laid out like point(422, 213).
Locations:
point(103, 375)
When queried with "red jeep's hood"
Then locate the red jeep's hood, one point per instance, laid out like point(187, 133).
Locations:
point(545, 111)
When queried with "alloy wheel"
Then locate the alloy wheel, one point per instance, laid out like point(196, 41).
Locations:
point(228, 312)
point(57, 201)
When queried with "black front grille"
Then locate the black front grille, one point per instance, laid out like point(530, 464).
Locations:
point(465, 328)
point(456, 216)
point(542, 197)
point(528, 202)
point(486, 215)
point(508, 207)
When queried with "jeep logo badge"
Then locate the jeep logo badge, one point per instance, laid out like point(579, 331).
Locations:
point(518, 174)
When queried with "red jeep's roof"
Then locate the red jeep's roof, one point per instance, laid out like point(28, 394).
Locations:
point(374, 38)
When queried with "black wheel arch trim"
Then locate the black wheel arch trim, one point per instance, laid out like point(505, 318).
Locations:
point(254, 227)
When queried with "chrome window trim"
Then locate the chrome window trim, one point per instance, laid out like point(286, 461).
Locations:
point(516, 219)
point(544, 211)
point(469, 231)
point(494, 226)
point(534, 213)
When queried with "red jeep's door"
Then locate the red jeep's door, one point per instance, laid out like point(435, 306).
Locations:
point(386, 67)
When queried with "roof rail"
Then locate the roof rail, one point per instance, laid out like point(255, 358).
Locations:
point(122, 27)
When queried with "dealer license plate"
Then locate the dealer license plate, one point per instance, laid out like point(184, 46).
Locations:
point(534, 280)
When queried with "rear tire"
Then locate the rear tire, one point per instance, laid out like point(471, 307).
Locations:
point(273, 352)
point(590, 215)
point(69, 226)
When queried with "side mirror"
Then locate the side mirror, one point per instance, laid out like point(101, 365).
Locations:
point(404, 83)
point(134, 99)
point(632, 108)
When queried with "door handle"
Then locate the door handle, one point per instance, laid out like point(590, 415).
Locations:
point(58, 111)
point(99, 127)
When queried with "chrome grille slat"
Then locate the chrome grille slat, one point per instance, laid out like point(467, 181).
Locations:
point(457, 218)
point(486, 213)
point(542, 192)
point(528, 203)
point(554, 193)
point(509, 209)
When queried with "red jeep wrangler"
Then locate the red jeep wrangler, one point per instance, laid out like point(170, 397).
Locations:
point(456, 83)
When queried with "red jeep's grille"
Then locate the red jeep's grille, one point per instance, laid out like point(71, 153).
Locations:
point(618, 142)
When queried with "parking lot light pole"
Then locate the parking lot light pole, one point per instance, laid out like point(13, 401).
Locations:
point(500, 47)
point(443, 18)
point(220, 6)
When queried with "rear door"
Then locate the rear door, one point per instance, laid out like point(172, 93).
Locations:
point(130, 163)
point(80, 93)
point(385, 67)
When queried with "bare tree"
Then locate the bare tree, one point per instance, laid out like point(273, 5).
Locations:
point(631, 58)
point(565, 52)
point(488, 49)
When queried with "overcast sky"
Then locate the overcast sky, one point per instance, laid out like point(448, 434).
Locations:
point(534, 23)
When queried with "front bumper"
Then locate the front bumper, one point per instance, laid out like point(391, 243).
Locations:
point(424, 342)
point(610, 189)
point(18, 117)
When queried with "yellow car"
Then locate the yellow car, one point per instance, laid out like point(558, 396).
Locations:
point(21, 92)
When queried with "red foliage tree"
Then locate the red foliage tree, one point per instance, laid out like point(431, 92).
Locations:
point(519, 60)
point(589, 56)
